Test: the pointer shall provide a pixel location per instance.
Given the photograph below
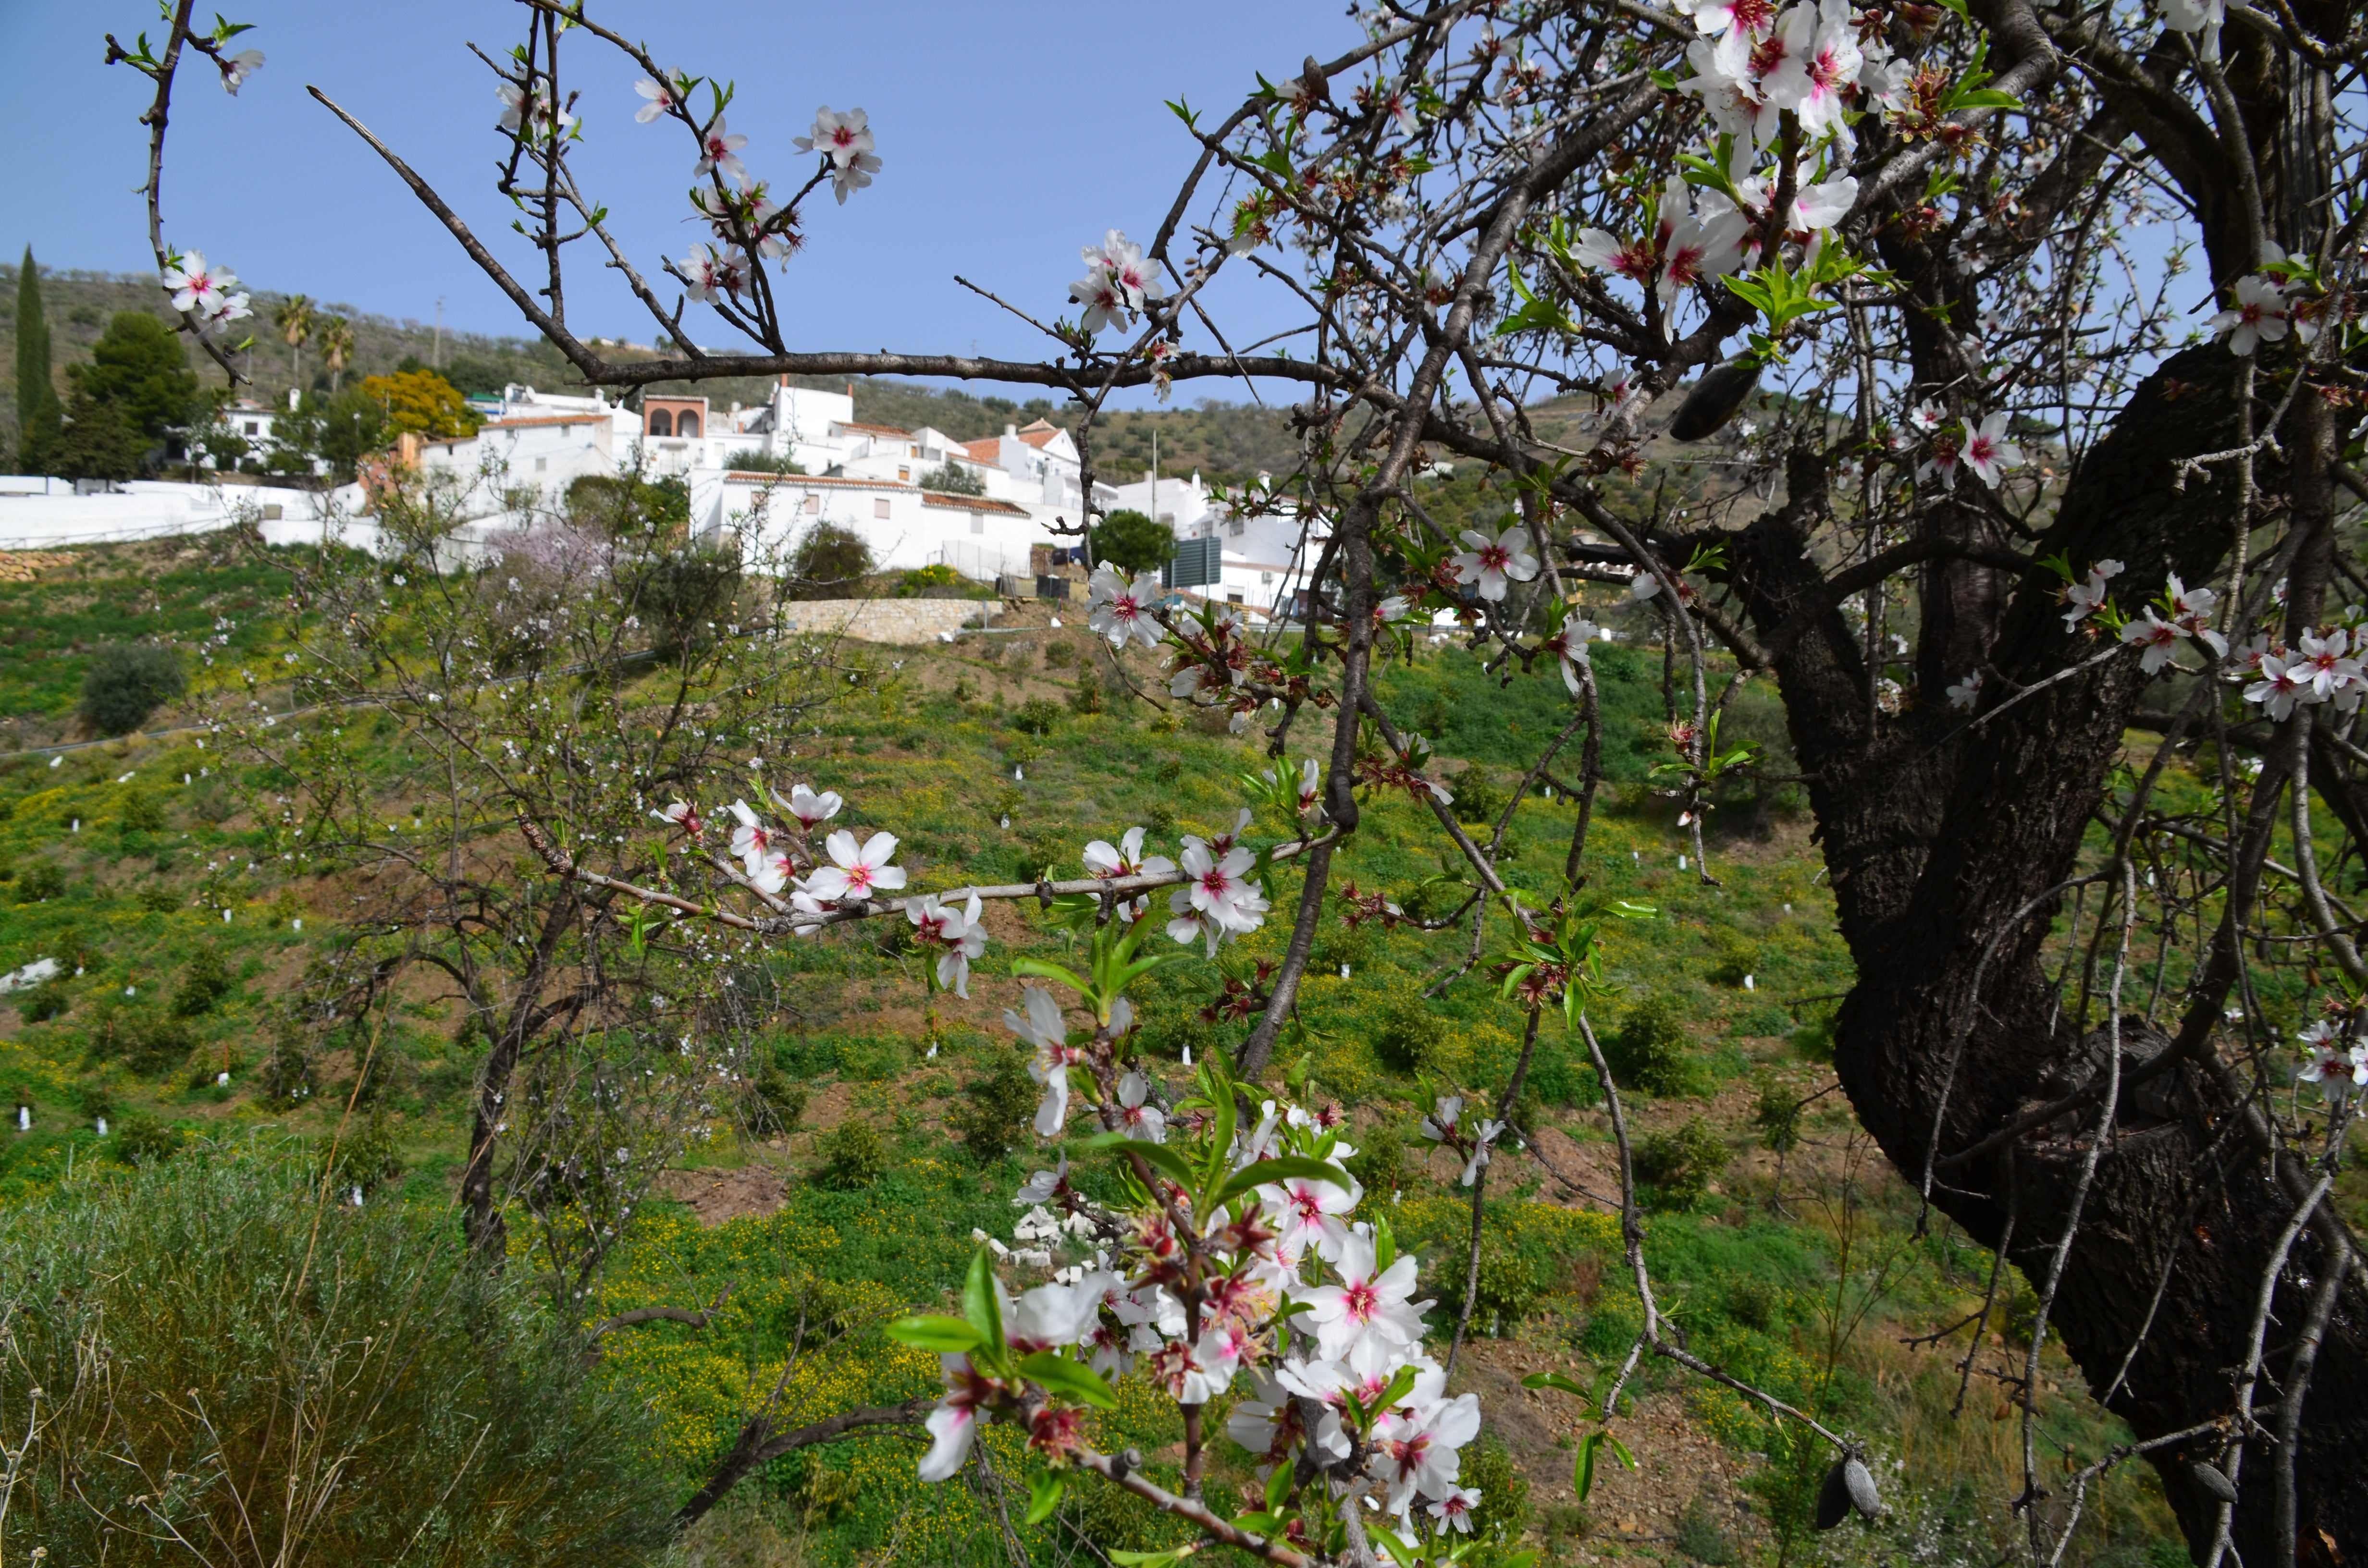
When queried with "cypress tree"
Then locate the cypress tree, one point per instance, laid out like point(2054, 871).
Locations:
point(37, 397)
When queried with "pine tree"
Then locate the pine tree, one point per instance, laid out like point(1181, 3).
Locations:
point(37, 397)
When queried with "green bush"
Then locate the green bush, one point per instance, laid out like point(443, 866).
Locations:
point(1561, 1076)
point(1037, 716)
point(1479, 798)
point(143, 1141)
point(751, 461)
point(1380, 1163)
point(996, 1106)
point(1651, 1049)
point(1409, 1035)
point(323, 1385)
point(828, 563)
point(1512, 1284)
point(1131, 541)
point(953, 479)
point(144, 811)
point(149, 1045)
point(128, 681)
point(1504, 1511)
point(1679, 1167)
point(683, 593)
point(776, 1101)
point(204, 982)
point(1085, 697)
point(43, 1002)
point(854, 1155)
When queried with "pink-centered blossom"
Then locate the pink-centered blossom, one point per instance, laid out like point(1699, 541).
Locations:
point(953, 1426)
point(1494, 559)
point(1987, 451)
point(1119, 608)
point(752, 840)
point(1137, 1117)
point(1966, 692)
point(845, 140)
point(237, 68)
point(957, 932)
point(1418, 1450)
point(660, 97)
point(2258, 316)
point(210, 294)
point(1043, 1028)
point(720, 149)
point(855, 872)
point(2282, 685)
point(1368, 1301)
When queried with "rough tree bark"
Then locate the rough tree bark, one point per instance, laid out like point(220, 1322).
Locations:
point(1936, 830)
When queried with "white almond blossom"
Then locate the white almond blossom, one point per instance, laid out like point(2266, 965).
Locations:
point(2194, 15)
point(2085, 598)
point(660, 97)
point(958, 932)
point(1121, 610)
point(1369, 1302)
point(719, 148)
point(1494, 559)
point(752, 840)
point(1987, 451)
point(238, 67)
point(1136, 1117)
point(210, 293)
point(855, 873)
point(813, 809)
point(2258, 317)
point(1043, 1028)
point(2336, 1064)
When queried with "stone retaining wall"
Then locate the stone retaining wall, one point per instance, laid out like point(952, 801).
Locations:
point(885, 620)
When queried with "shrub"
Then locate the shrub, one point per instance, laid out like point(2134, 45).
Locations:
point(363, 1158)
point(1511, 1284)
point(149, 1045)
point(775, 1102)
point(204, 982)
point(40, 882)
point(1679, 1167)
point(936, 580)
point(1560, 1076)
point(750, 460)
point(1085, 697)
point(953, 479)
point(144, 811)
point(683, 592)
point(996, 1106)
point(854, 1155)
point(142, 1141)
point(1380, 1163)
point(1479, 798)
point(1651, 1049)
point(43, 1002)
point(324, 1383)
point(159, 899)
point(828, 563)
point(1409, 1037)
point(1036, 716)
point(1504, 1511)
point(128, 681)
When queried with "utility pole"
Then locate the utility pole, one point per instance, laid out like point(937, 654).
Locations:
point(1154, 473)
point(436, 355)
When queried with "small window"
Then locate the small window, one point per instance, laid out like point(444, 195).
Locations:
point(1168, 517)
point(813, 503)
point(661, 421)
point(541, 464)
point(977, 522)
point(1236, 528)
point(879, 507)
point(686, 424)
point(913, 449)
point(904, 476)
point(254, 427)
point(1265, 576)
point(1233, 599)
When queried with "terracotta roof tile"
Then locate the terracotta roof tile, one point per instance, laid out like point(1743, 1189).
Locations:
point(970, 503)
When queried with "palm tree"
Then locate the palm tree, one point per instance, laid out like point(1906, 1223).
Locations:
point(294, 320)
point(337, 348)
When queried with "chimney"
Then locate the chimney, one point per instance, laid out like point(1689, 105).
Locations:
point(850, 389)
point(1012, 430)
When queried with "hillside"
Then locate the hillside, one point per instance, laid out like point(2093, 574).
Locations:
point(1773, 1227)
point(1222, 441)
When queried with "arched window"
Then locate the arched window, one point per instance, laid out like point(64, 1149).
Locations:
point(661, 421)
point(686, 423)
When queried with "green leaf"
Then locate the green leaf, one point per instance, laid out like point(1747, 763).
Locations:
point(1158, 1156)
point(1278, 1488)
point(931, 1332)
point(1282, 1167)
point(1665, 80)
point(1146, 1559)
point(1042, 969)
point(1553, 1380)
point(1075, 1378)
point(1582, 1471)
point(1620, 1449)
point(980, 1304)
point(1385, 1243)
point(1043, 1496)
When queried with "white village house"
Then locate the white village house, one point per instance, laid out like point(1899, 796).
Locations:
point(874, 479)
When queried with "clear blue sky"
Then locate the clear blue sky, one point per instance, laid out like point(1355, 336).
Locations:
point(1012, 135)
